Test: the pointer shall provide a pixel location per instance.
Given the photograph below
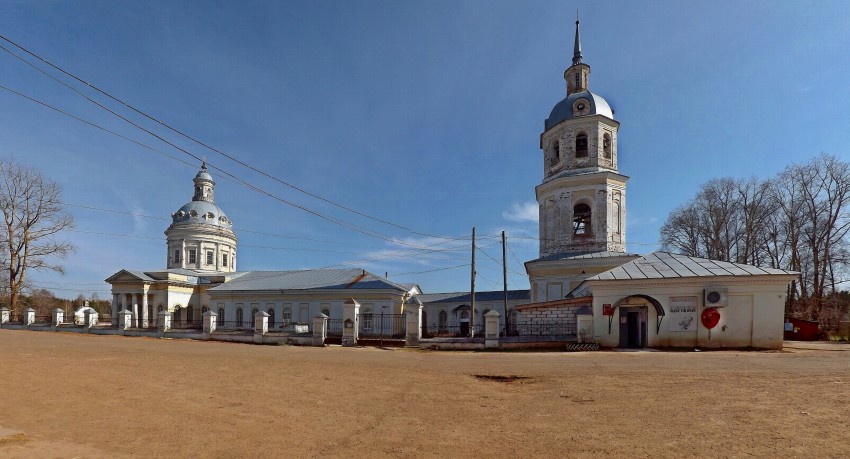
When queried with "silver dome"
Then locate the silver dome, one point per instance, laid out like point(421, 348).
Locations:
point(201, 212)
point(563, 110)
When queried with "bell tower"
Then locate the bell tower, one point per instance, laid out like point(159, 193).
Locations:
point(582, 196)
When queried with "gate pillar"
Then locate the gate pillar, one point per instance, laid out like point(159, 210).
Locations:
point(491, 329)
point(350, 311)
point(413, 317)
point(320, 329)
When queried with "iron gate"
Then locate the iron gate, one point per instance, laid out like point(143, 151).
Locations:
point(381, 326)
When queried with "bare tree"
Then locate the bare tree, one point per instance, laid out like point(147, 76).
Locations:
point(33, 218)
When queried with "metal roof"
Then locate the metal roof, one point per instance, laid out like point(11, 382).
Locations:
point(584, 256)
point(666, 265)
point(463, 297)
point(563, 110)
point(318, 279)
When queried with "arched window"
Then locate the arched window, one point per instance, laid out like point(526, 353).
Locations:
point(326, 311)
point(581, 145)
point(617, 223)
point(556, 152)
point(190, 313)
point(204, 310)
point(221, 314)
point(444, 320)
point(159, 309)
point(239, 318)
point(271, 317)
point(287, 315)
point(581, 220)
point(606, 145)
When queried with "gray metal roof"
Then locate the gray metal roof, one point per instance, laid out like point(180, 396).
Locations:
point(318, 279)
point(584, 256)
point(463, 297)
point(563, 110)
point(666, 265)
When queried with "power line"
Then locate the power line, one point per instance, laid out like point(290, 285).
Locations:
point(353, 227)
point(172, 129)
point(430, 270)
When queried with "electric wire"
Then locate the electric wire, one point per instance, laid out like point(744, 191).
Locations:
point(169, 127)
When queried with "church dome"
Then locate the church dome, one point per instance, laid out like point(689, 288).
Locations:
point(201, 212)
point(571, 107)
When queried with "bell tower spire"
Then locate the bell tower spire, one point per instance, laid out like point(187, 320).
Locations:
point(577, 45)
point(576, 76)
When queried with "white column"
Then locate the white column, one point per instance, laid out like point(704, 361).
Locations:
point(115, 306)
point(144, 307)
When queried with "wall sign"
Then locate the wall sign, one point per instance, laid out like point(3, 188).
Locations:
point(607, 310)
point(683, 314)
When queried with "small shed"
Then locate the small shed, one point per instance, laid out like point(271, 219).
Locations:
point(801, 330)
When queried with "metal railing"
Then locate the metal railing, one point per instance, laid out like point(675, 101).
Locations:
point(233, 325)
point(540, 329)
point(381, 326)
point(334, 327)
point(186, 324)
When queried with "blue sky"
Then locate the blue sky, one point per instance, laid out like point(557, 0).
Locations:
point(424, 114)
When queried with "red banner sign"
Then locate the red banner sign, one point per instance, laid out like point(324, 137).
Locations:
point(607, 310)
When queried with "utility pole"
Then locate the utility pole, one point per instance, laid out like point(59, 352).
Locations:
point(505, 278)
point(472, 290)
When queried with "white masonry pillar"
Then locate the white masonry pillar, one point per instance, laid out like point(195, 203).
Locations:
point(144, 323)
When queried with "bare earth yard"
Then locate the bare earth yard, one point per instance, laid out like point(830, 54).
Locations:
point(69, 395)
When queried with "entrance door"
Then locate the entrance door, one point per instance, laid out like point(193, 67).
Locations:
point(633, 327)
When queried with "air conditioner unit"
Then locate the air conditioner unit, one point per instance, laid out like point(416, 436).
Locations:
point(716, 297)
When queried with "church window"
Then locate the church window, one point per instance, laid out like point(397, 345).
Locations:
point(239, 318)
point(177, 256)
point(221, 314)
point(270, 312)
point(192, 255)
point(287, 314)
point(581, 146)
point(210, 257)
point(581, 219)
point(578, 79)
point(443, 320)
point(556, 152)
point(190, 314)
point(193, 213)
point(326, 309)
point(224, 260)
point(606, 145)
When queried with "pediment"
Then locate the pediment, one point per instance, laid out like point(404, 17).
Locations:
point(127, 276)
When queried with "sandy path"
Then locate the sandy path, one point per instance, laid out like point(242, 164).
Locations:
point(69, 395)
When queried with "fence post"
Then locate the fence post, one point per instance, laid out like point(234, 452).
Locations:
point(163, 323)
point(5, 314)
point(320, 329)
point(350, 311)
point(413, 327)
point(125, 318)
point(491, 329)
point(58, 317)
point(29, 317)
point(90, 318)
point(584, 324)
point(210, 321)
point(261, 326)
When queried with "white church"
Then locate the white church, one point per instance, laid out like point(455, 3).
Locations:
point(583, 277)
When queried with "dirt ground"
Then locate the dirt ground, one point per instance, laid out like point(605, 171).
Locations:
point(69, 395)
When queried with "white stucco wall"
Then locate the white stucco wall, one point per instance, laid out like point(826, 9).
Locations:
point(753, 317)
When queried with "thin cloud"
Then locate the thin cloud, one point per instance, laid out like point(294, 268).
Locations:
point(525, 212)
